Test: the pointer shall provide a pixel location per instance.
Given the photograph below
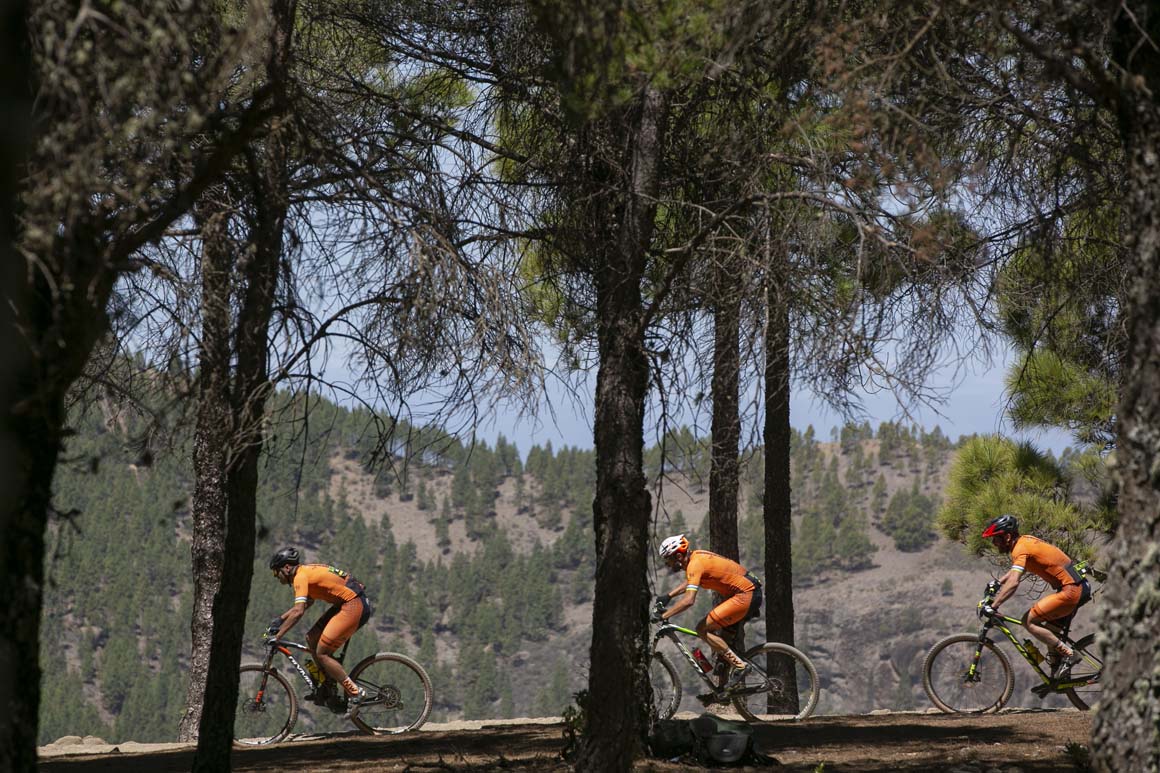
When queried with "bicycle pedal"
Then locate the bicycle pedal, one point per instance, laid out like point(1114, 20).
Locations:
point(1041, 690)
point(709, 698)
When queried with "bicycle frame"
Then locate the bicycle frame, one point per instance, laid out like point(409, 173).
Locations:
point(284, 647)
point(669, 631)
point(1004, 624)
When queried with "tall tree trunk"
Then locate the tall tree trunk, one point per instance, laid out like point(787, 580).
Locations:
point(779, 616)
point(268, 185)
point(1126, 734)
point(36, 316)
point(213, 434)
point(248, 403)
point(618, 683)
point(29, 437)
point(726, 430)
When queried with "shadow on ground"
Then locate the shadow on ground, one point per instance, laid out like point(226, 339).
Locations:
point(1015, 742)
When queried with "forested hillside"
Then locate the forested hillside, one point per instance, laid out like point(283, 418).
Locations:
point(478, 560)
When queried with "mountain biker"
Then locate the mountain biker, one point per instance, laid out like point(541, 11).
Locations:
point(1031, 554)
point(740, 589)
point(349, 611)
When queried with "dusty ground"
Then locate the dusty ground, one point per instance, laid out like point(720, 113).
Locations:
point(1009, 742)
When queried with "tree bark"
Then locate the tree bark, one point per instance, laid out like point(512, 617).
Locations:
point(618, 686)
point(268, 184)
point(28, 442)
point(779, 614)
point(211, 443)
point(248, 402)
point(726, 429)
point(28, 445)
point(47, 331)
point(1126, 733)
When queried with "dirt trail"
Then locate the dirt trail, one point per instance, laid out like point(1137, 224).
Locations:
point(1008, 742)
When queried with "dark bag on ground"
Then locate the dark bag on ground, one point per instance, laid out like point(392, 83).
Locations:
point(672, 738)
point(712, 740)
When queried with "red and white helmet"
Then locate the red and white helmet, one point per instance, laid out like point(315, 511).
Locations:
point(675, 545)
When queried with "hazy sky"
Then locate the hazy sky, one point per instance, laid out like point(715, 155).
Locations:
point(975, 405)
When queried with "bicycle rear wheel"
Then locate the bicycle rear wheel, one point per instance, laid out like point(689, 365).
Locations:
point(781, 684)
point(1090, 668)
point(399, 694)
point(267, 707)
point(946, 680)
point(666, 686)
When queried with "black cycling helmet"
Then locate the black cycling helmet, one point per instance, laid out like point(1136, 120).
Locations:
point(283, 557)
point(1004, 524)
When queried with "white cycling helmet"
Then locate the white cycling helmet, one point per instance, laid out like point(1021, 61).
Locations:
point(671, 546)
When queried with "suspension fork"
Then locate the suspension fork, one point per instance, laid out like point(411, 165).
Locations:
point(973, 670)
point(266, 666)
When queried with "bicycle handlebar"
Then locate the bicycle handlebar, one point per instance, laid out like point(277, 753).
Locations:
point(988, 596)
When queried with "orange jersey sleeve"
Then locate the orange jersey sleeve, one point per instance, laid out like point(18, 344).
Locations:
point(1042, 559)
point(322, 582)
point(716, 573)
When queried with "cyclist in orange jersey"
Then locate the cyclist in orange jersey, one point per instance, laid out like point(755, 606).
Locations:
point(350, 609)
point(1031, 554)
point(740, 589)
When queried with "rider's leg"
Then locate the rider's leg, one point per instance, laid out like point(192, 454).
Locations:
point(729, 612)
point(315, 634)
point(1054, 607)
point(710, 633)
point(340, 628)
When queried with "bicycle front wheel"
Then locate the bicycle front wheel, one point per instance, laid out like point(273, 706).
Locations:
point(1089, 669)
point(267, 707)
point(399, 694)
point(782, 684)
point(666, 686)
point(953, 689)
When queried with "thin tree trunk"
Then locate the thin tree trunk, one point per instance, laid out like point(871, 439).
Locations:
point(1126, 733)
point(251, 390)
point(211, 446)
point(779, 615)
point(726, 430)
point(618, 684)
point(269, 183)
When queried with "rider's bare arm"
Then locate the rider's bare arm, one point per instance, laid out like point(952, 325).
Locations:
point(682, 604)
point(1007, 587)
point(291, 617)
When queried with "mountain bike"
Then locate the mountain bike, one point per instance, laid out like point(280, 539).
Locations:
point(968, 673)
point(398, 695)
point(781, 683)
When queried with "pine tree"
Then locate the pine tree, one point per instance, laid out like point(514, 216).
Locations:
point(853, 547)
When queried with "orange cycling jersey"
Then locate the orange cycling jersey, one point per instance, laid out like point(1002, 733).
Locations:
point(1043, 559)
point(717, 573)
point(322, 582)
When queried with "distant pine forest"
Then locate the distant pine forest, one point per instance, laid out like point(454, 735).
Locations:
point(478, 558)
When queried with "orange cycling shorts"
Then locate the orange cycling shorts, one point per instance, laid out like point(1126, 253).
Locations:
point(732, 610)
point(1059, 604)
point(340, 622)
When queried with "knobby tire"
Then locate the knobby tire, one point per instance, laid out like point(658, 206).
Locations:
point(955, 662)
point(248, 713)
point(808, 691)
point(398, 684)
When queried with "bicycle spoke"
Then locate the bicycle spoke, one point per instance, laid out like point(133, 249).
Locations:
point(398, 695)
point(666, 686)
point(1088, 670)
point(780, 684)
point(266, 708)
point(955, 687)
